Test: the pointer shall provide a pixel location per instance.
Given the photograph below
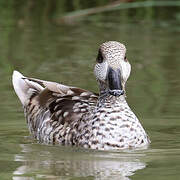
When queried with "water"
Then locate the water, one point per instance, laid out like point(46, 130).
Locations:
point(40, 44)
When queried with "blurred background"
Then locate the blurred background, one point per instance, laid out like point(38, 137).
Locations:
point(57, 40)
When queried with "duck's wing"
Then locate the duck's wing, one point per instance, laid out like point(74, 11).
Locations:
point(26, 87)
point(60, 92)
point(59, 102)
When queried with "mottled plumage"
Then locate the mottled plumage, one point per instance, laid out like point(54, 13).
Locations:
point(67, 115)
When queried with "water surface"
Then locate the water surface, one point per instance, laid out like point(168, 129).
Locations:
point(65, 51)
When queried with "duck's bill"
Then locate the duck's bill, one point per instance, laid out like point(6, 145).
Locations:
point(114, 81)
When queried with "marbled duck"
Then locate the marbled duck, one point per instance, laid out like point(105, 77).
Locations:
point(66, 115)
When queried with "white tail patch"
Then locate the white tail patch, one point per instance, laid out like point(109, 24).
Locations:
point(24, 87)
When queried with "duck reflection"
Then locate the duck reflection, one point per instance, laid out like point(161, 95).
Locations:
point(52, 162)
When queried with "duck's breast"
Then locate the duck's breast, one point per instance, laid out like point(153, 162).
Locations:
point(114, 127)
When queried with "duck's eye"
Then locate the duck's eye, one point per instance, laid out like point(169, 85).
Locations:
point(125, 58)
point(99, 57)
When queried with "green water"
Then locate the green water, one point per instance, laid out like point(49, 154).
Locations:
point(41, 44)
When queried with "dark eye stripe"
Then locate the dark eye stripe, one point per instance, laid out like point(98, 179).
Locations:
point(99, 57)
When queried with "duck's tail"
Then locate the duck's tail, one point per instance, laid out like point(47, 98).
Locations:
point(23, 87)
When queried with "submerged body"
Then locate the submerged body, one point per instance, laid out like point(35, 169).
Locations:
point(67, 115)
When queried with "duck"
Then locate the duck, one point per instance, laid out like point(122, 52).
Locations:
point(71, 116)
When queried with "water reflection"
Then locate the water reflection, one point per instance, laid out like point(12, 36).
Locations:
point(39, 161)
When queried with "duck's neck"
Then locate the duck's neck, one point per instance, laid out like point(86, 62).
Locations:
point(105, 97)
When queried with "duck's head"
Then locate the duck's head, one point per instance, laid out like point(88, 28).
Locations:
point(112, 68)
